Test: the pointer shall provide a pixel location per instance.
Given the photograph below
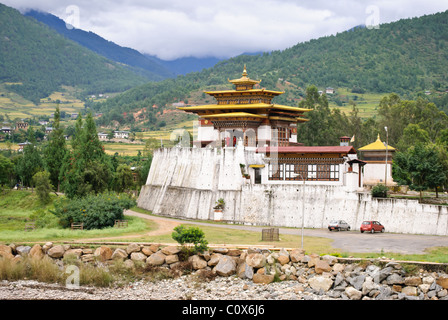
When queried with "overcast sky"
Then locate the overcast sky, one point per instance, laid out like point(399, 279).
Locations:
point(171, 29)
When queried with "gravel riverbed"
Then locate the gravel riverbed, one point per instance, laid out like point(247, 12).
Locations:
point(182, 288)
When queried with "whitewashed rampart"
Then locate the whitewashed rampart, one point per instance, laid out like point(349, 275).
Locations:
point(186, 183)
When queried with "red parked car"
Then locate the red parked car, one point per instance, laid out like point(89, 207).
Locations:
point(371, 226)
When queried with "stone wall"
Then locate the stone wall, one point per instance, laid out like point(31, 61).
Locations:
point(186, 183)
point(331, 277)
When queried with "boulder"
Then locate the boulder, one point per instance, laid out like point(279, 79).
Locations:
point(119, 254)
point(313, 259)
point(154, 247)
point(129, 264)
point(146, 250)
point(138, 256)
point(234, 252)
point(443, 281)
point(321, 266)
point(103, 253)
point(221, 250)
point(412, 281)
point(6, 251)
point(226, 266)
point(56, 252)
point(256, 260)
point(172, 258)
point(283, 260)
point(133, 247)
point(263, 278)
point(170, 250)
point(88, 257)
point(245, 271)
point(296, 255)
point(353, 294)
point(409, 291)
point(214, 259)
point(47, 246)
point(320, 283)
point(73, 252)
point(331, 260)
point(197, 262)
point(358, 281)
point(156, 259)
point(394, 279)
point(23, 250)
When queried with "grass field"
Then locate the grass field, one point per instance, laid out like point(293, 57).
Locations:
point(15, 106)
point(367, 103)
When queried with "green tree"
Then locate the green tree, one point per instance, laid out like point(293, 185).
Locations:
point(124, 179)
point(412, 135)
point(55, 150)
point(6, 170)
point(30, 162)
point(43, 186)
point(86, 168)
point(420, 168)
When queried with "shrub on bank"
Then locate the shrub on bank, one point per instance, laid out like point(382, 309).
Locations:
point(94, 211)
point(379, 191)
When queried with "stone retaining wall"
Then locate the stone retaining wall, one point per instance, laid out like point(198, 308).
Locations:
point(324, 275)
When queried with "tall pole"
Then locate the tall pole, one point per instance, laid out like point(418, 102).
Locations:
point(303, 202)
point(387, 143)
point(303, 207)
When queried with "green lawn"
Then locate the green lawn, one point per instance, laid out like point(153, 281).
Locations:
point(17, 207)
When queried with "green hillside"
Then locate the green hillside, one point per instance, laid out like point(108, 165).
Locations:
point(35, 61)
point(408, 57)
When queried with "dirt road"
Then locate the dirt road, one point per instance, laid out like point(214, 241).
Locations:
point(349, 241)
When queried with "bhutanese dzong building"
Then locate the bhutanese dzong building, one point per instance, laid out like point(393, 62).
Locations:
point(246, 116)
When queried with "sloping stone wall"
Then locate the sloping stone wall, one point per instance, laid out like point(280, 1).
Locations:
point(186, 183)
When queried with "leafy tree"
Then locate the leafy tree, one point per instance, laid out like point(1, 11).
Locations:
point(43, 186)
point(412, 134)
point(55, 151)
point(6, 170)
point(420, 168)
point(86, 168)
point(124, 179)
point(30, 162)
point(192, 239)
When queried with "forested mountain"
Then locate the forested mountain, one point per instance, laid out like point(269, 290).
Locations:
point(406, 57)
point(149, 68)
point(35, 61)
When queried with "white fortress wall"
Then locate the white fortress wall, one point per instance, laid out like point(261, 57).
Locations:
point(186, 183)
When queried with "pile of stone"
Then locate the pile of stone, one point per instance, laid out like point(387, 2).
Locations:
point(326, 276)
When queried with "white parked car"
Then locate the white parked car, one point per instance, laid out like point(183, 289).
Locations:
point(338, 225)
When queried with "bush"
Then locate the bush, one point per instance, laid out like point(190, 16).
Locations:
point(379, 191)
point(43, 186)
point(192, 239)
point(95, 211)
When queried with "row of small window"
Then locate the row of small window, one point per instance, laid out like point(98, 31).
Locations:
point(290, 171)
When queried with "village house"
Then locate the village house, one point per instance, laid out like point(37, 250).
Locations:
point(121, 134)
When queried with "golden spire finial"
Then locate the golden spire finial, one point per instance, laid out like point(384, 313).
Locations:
point(244, 71)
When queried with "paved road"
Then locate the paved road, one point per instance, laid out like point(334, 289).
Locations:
point(345, 241)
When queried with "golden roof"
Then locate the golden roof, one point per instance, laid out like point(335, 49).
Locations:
point(244, 79)
point(243, 106)
point(245, 91)
point(376, 146)
point(235, 115)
